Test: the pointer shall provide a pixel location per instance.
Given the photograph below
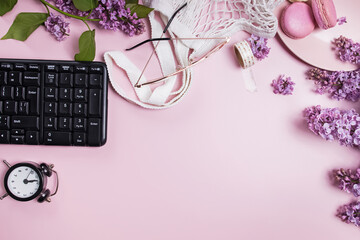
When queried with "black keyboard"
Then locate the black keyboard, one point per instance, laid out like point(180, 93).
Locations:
point(53, 102)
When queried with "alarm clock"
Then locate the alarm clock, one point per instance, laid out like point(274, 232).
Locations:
point(26, 181)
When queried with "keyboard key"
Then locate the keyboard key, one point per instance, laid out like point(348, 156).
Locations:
point(51, 79)
point(17, 132)
point(7, 92)
point(80, 109)
point(66, 94)
point(10, 107)
point(51, 68)
point(81, 69)
point(4, 122)
point(57, 138)
point(80, 95)
point(6, 66)
point(50, 123)
point(79, 124)
point(95, 102)
point(19, 93)
point(65, 123)
point(79, 139)
point(50, 108)
point(33, 96)
point(20, 67)
point(17, 139)
point(32, 137)
point(31, 79)
point(81, 80)
point(95, 80)
point(15, 78)
point(25, 122)
point(34, 67)
point(51, 94)
point(66, 68)
point(23, 108)
point(94, 131)
point(65, 109)
point(4, 136)
point(3, 78)
point(66, 80)
point(96, 69)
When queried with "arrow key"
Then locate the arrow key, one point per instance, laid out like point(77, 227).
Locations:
point(32, 137)
point(4, 136)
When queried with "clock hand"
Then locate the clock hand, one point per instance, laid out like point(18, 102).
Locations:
point(32, 180)
point(28, 175)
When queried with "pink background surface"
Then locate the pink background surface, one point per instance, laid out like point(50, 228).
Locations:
point(222, 164)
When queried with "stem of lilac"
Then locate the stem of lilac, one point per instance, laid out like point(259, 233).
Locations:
point(64, 32)
point(87, 25)
point(89, 14)
point(67, 14)
point(47, 8)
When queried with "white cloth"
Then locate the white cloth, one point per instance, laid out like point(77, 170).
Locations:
point(202, 19)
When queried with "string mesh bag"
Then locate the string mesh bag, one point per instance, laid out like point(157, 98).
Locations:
point(199, 19)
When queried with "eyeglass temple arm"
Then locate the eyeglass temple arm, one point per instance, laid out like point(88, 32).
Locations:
point(146, 41)
point(172, 17)
point(165, 29)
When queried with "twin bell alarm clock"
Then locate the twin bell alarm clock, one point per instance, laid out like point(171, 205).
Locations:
point(26, 181)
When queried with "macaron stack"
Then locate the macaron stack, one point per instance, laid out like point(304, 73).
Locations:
point(298, 19)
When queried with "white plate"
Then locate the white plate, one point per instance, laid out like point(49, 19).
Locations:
point(316, 49)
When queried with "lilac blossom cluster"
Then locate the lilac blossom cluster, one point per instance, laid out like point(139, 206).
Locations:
point(283, 85)
point(348, 180)
point(347, 50)
point(350, 213)
point(259, 46)
point(334, 124)
point(113, 15)
point(341, 20)
point(68, 7)
point(57, 26)
point(339, 84)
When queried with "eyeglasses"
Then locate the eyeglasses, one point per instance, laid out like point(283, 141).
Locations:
point(183, 68)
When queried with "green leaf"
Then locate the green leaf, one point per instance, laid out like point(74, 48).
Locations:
point(132, 1)
point(140, 10)
point(85, 5)
point(6, 6)
point(86, 46)
point(24, 25)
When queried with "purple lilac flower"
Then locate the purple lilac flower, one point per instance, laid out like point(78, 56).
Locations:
point(68, 7)
point(57, 26)
point(348, 180)
point(341, 20)
point(113, 15)
point(259, 46)
point(283, 85)
point(350, 213)
point(347, 50)
point(334, 124)
point(340, 85)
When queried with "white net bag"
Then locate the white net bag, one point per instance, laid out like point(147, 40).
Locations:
point(218, 18)
point(199, 19)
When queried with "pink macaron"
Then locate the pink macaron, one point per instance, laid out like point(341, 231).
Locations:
point(297, 20)
point(324, 13)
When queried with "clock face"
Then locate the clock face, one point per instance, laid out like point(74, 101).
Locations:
point(23, 182)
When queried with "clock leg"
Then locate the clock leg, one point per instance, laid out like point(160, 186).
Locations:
point(7, 164)
point(4, 196)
